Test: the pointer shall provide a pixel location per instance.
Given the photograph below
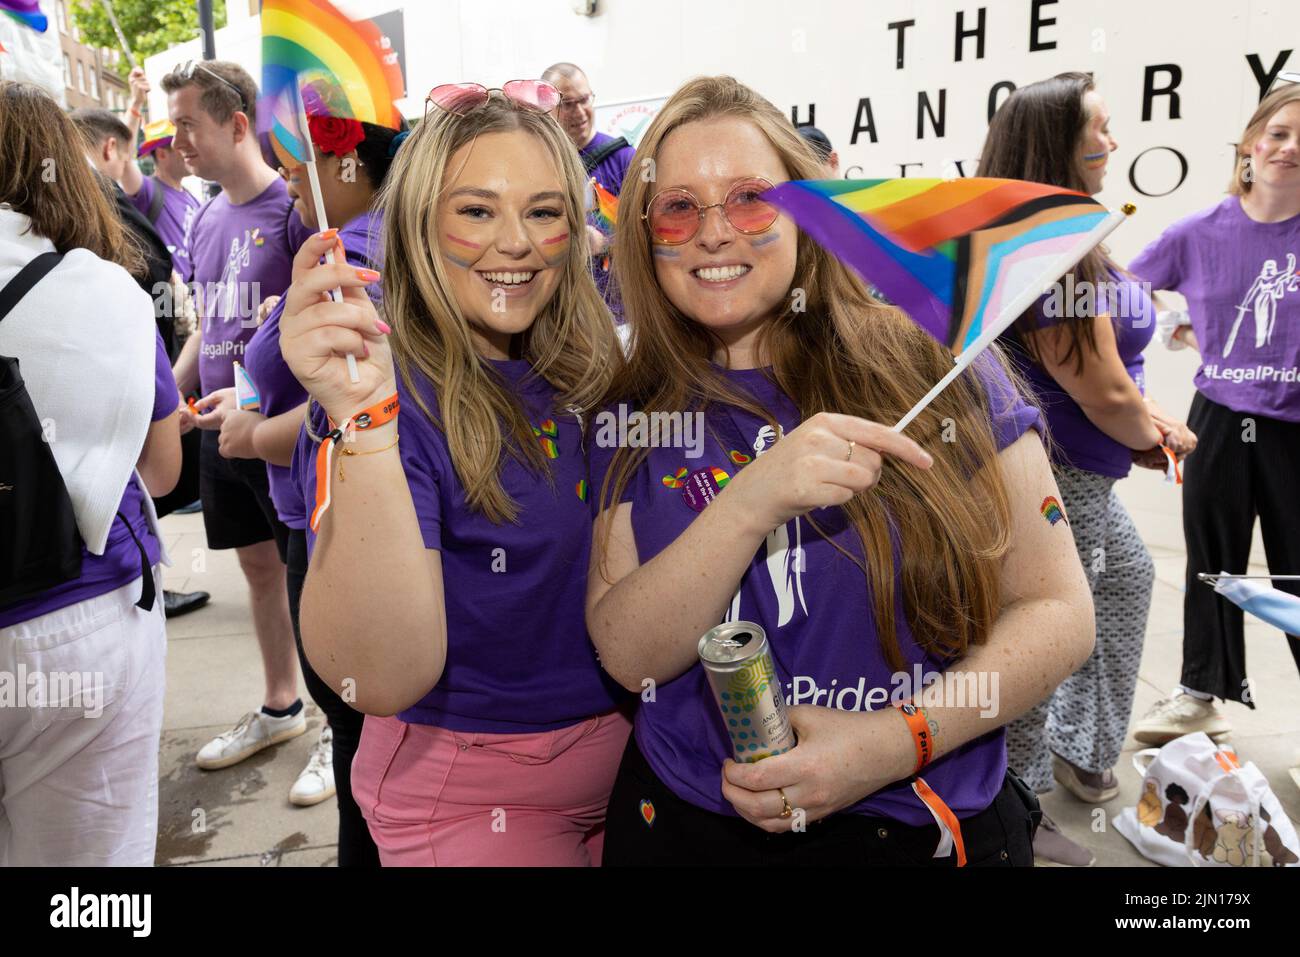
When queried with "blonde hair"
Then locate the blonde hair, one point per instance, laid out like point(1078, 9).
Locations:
point(571, 344)
point(844, 352)
point(1239, 185)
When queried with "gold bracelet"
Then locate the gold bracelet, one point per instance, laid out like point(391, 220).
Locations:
point(370, 452)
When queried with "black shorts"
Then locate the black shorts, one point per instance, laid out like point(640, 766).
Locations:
point(682, 834)
point(237, 506)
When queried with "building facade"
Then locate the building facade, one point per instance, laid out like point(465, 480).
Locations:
point(90, 73)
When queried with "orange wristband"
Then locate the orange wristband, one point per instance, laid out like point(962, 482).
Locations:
point(921, 736)
point(378, 414)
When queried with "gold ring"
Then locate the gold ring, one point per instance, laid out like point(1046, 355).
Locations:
point(849, 457)
point(786, 810)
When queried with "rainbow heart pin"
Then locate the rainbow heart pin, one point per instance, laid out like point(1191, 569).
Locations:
point(647, 813)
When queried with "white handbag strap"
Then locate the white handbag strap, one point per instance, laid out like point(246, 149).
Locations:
point(1142, 759)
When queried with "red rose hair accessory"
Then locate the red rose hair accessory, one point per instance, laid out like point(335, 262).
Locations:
point(334, 134)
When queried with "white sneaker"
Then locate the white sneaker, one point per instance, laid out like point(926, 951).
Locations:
point(1179, 715)
point(255, 732)
point(316, 783)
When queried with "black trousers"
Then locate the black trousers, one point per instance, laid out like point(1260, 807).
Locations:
point(685, 835)
point(356, 847)
point(1244, 466)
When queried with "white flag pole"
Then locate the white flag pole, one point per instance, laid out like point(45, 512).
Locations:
point(1061, 265)
point(322, 220)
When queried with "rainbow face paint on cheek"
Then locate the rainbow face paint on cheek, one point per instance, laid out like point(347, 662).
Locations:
point(664, 252)
point(1095, 160)
point(457, 260)
point(553, 253)
point(764, 240)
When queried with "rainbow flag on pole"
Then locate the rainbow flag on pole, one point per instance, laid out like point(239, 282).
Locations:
point(348, 64)
point(26, 12)
point(962, 257)
point(606, 211)
point(949, 253)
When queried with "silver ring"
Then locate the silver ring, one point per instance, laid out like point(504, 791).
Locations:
point(849, 457)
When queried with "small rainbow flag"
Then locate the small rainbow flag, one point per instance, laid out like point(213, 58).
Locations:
point(1052, 511)
point(26, 12)
point(606, 211)
point(310, 43)
point(952, 254)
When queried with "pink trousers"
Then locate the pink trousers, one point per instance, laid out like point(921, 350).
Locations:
point(438, 798)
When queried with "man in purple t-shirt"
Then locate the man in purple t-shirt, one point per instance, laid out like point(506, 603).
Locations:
point(241, 250)
point(605, 158)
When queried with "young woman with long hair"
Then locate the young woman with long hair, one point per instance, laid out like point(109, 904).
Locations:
point(1236, 264)
point(863, 557)
point(445, 592)
point(1080, 349)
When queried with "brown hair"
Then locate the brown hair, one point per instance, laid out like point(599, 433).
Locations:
point(45, 176)
point(1035, 136)
point(571, 344)
point(98, 125)
point(218, 99)
point(843, 352)
point(1240, 185)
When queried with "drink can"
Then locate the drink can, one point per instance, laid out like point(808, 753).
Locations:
point(739, 664)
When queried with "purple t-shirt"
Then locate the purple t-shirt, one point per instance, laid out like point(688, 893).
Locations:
point(1076, 442)
point(1242, 286)
point(240, 255)
point(178, 209)
point(817, 613)
point(277, 388)
point(609, 173)
point(120, 563)
point(518, 655)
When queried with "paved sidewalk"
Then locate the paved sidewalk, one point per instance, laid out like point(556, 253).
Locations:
point(241, 816)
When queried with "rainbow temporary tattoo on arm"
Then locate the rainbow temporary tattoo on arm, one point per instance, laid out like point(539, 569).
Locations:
point(765, 239)
point(1052, 511)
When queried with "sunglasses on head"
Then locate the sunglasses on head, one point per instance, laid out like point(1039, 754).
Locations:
point(675, 215)
point(461, 98)
point(1283, 79)
point(187, 70)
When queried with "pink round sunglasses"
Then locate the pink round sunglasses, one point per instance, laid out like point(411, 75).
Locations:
point(461, 98)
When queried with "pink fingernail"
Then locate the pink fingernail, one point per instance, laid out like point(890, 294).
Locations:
point(383, 326)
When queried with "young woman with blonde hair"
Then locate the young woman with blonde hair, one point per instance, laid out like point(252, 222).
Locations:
point(864, 558)
point(444, 595)
point(1236, 264)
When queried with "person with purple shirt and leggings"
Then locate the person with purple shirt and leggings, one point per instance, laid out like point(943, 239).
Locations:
point(866, 560)
point(1236, 264)
point(79, 748)
point(350, 178)
point(444, 594)
point(1080, 349)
